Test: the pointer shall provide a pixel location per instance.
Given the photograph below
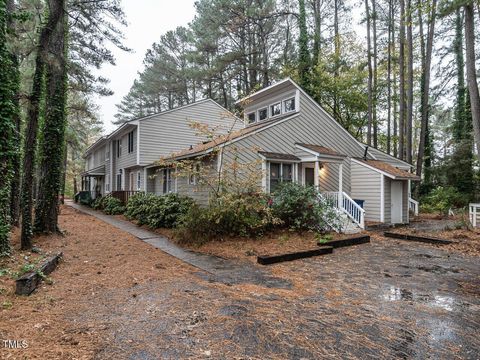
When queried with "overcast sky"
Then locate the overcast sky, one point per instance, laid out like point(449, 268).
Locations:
point(147, 20)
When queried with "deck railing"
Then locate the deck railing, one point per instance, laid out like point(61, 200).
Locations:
point(344, 202)
point(473, 211)
point(123, 195)
point(413, 206)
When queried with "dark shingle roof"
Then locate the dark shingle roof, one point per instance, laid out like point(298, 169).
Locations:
point(278, 156)
point(320, 149)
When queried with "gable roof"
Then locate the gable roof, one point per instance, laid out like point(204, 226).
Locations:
point(278, 156)
point(320, 149)
point(387, 169)
point(225, 139)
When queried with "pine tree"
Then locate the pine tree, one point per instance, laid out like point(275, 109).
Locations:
point(303, 54)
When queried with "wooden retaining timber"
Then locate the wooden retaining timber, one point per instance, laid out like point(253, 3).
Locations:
point(267, 260)
point(347, 242)
point(28, 282)
point(424, 239)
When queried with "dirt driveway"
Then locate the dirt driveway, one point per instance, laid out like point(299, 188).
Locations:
point(114, 297)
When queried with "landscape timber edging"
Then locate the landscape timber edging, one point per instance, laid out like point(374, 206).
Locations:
point(28, 282)
point(424, 239)
point(347, 242)
point(267, 259)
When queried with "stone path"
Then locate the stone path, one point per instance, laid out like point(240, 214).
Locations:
point(214, 268)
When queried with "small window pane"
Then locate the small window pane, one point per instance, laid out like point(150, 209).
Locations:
point(262, 114)
point(251, 118)
point(289, 105)
point(274, 176)
point(287, 172)
point(276, 109)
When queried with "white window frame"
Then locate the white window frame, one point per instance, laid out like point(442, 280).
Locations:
point(280, 177)
point(254, 113)
point(294, 105)
point(119, 148)
point(139, 180)
point(167, 177)
point(258, 113)
point(271, 108)
point(131, 142)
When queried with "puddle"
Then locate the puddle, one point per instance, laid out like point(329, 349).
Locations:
point(444, 302)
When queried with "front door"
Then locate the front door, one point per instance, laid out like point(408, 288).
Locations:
point(309, 176)
point(397, 202)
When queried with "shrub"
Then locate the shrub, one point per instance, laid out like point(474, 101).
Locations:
point(99, 203)
point(227, 215)
point(441, 199)
point(157, 211)
point(300, 208)
point(112, 206)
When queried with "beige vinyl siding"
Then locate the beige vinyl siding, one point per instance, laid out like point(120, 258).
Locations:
point(366, 186)
point(405, 215)
point(387, 190)
point(311, 126)
point(170, 132)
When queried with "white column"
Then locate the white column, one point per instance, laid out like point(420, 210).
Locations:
point(317, 175)
point(340, 186)
point(264, 175)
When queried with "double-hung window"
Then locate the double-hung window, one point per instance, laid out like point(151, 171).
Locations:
point(119, 181)
point(119, 147)
point(139, 180)
point(280, 172)
point(167, 180)
point(130, 142)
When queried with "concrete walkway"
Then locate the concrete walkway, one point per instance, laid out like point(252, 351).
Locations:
point(217, 269)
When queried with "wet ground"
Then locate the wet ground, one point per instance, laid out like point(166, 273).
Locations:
point(386, 299)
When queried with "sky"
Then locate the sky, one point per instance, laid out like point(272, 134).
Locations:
point(147, 21)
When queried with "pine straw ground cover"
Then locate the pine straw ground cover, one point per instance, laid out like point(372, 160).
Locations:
point(466, 239)
point(115, 297)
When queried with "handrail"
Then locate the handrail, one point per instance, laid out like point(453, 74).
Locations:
point(344, 202)
point(413, 205)
point(472, 213)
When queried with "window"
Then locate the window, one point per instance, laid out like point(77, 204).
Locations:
point(139, 180)
point(192, 177)
point(119, 147)
point(289, 105)
point(280, 172)
point(107, 155)
point(262, 114)
point(130, 142)
point(107, 187)
point(167, 181)
point(275, 109)
point(251, 118)
point(119, 181)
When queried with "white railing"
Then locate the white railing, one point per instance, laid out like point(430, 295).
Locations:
point(413, 206)
point(473, 210)
point(349, 207)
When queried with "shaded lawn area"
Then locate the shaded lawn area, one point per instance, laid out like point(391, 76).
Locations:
point(115, 297)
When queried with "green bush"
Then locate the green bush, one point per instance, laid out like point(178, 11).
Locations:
point(227, 215)
point(99, 203)
point(157, 211)
point(441, 199)
point(300, 208)
point(112, 206)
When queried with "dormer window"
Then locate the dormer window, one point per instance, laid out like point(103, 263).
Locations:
point(289, 105)
point(251, 118)
point(262, 114)
point(275, 109)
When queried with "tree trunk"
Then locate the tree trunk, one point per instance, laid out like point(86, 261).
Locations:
point(336, 112)
point(375, 76)
point(389, 78)
point(304, 58)
point(409, 124)
point(401, 65)
point(426, 62)
point(370, 76)
point(471, 73)
point(53, 135)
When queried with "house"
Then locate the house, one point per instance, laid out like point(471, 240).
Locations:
point(292, 138)
point(123, 162)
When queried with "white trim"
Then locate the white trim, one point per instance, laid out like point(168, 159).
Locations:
point(316, 174)
point(382, 198)
point(145, 178)
point(263, 90)
point(264, 175)
point(340, 178)
point(138, 144)
point(139, 180)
